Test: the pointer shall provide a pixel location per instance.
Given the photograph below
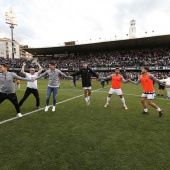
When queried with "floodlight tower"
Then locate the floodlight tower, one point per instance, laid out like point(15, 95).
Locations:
point(132, 29)
point(10, 18)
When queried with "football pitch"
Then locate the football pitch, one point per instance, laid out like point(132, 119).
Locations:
point(81, 137)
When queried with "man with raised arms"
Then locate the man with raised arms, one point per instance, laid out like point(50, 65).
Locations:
point(32, 87)
point(53, 84)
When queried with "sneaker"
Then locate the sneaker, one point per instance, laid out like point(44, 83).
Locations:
point(46, 108)
point(106, 105)
point(19, 115)
point(144, 112)
point(160, 113)
point(125, 107)
point(162, 95)
point(38, 107)
point(158, 95)
point(53, 109)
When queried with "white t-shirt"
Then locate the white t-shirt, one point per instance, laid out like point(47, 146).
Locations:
point(32, 85)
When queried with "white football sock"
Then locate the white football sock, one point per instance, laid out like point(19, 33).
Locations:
point(158, 109)
point(123, 101)
point(108, 100)
point(86, 99)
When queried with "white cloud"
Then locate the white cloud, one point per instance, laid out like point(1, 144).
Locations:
point(48, 23)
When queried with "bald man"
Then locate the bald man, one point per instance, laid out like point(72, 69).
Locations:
point(32, 87)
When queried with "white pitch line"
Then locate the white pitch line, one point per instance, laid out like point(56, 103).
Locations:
point(8, 120)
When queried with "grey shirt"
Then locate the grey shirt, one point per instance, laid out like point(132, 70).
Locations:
point(53, 77)
point(7, 82)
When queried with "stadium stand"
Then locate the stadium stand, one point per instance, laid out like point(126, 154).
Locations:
point(131, 58)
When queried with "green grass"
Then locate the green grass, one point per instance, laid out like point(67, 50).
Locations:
point(79, 137)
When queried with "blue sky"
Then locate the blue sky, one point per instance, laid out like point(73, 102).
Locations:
point(45, 23)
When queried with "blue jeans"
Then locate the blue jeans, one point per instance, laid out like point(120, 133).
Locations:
point(49, 91)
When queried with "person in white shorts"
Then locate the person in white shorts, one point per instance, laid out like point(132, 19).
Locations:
point(86, 73)
point(116, 80)
point(146, 80)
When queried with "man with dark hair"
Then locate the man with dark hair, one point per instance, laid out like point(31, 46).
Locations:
point(7, 83)
point(53, 84)
point(115, 88)
point(148, 89)
point(86, 73)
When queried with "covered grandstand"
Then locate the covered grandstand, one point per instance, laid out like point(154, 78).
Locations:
point(153, 42)
point(145, 42)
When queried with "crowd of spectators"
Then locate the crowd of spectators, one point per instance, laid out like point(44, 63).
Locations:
point(152, 57)
point(159, 57)
point(126, 58)
point(12, 63)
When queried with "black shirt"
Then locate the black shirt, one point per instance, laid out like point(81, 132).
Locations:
point(86, 76)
